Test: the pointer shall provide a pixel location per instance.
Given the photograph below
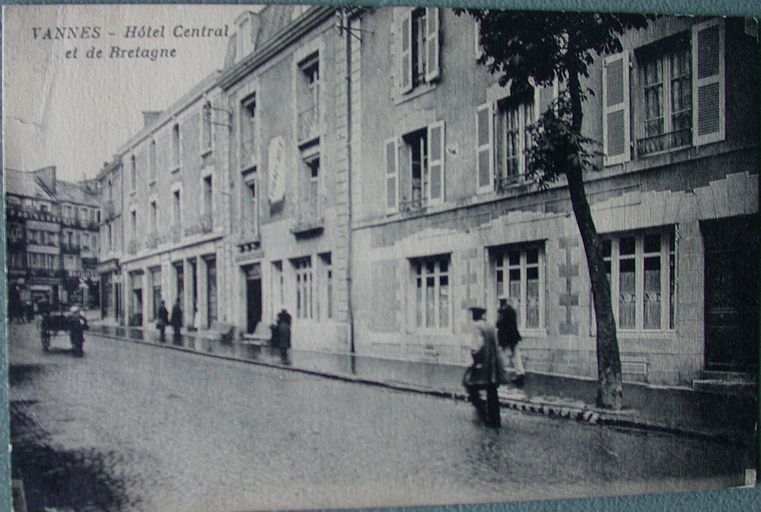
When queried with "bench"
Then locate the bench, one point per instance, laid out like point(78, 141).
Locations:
point(224, 330)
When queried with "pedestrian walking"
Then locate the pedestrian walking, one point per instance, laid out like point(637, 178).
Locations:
point(283, 337)
point(176, 319)
point(162, 321)
point(509, 339)
point(487, 371)
point(77, 326)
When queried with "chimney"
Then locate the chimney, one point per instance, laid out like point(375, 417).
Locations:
point(149, 116)
point(47, 176)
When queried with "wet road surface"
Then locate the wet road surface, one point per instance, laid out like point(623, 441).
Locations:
point(136, 427)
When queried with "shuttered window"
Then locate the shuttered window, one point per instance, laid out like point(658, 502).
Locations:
point(418, 43)
point(484, 147)
point(708, 81)
point(615, 121)
point(432, 44)
point(436, 163)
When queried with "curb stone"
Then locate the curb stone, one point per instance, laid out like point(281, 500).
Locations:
point(547, 406)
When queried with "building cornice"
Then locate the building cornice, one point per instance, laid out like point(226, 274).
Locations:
point(291, 33)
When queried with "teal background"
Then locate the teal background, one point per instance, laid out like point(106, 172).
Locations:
point(733, 499)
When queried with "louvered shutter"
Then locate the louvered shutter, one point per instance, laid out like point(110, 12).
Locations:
point(436, 162)
point(477, 39)
point(485, 147)
point(405, 54)
point(708, 82)
point(392, 176)
point(615, 120)
point(432, 43)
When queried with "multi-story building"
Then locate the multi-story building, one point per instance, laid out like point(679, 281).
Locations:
point(287, 164)
point(366, 173)
point(111, 240)
point(174, 211)
point(52, 237)
point(443, 215)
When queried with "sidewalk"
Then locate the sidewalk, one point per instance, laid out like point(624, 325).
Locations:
point(730, 418)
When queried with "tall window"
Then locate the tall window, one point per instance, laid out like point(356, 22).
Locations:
point(132, 173)
point(512, 122)
point(208, 196)
point(304, 289)
point(152, 161)
point(206, 114)
point(312, 197)
point(176, 208)
point(417, 143)
point(666, 76)
point(641, 271)
point(251, 208)
point(154, 218)
point(309, 98)
point(327, 286)
point(432, 293)
point(418, 47)
point(419, 38)
point(175, 147)
point(248, 132)
point(520, 277)
point(133, 227)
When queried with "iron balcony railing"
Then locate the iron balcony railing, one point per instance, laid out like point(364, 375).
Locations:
point(151, 241)
point(504, 183)
point(132, 247)
point(664, 142)
point(309, 123)
point(411, 205)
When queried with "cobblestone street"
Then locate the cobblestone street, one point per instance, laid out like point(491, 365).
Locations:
point(135, 427)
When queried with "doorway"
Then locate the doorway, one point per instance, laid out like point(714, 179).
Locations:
point(253, 297)
point(731, 293)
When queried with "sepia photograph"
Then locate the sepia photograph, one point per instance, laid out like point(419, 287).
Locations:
point(298, 257)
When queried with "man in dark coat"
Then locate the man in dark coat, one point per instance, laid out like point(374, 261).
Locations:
point(162, 321)
point(487, 371)
point(509, 338)
point(176, 319)
point(283, 334)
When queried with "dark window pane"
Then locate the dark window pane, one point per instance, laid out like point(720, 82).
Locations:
point(627, 245)
point(652, 243)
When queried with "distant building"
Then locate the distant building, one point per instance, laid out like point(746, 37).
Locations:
point(52, 229)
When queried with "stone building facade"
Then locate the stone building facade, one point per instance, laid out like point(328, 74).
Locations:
point(457, 223)
point(52, 237)
point(369, 175)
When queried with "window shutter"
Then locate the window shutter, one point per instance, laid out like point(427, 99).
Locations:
point(436, 162)
point(392, 176)
point(405, 53)
point(485, 147)
point(615, 120)
point(708, 82)
point(432, 44)
point(477, 39)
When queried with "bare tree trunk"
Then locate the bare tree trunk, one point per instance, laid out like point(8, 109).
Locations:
point(609, 391)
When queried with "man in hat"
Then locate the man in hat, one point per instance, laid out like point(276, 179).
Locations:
point(509, 338)
point(283, 334)
point(487, 371)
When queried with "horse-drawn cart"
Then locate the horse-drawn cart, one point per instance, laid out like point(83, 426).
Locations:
point(52, 324)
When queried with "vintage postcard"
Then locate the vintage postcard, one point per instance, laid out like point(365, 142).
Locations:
point(299, 257)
